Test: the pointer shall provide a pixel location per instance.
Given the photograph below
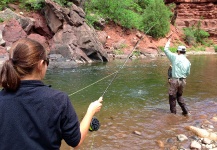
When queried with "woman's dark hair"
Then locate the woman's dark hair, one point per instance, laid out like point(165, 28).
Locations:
point(23, 58)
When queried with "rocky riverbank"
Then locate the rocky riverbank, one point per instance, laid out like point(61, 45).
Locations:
point(201, 136)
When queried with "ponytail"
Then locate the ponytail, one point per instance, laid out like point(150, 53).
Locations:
point(24, 56)
point(9, 78)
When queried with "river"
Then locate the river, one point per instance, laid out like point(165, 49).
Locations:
point(137, 100)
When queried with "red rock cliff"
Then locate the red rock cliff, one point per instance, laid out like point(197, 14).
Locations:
point(189, 12)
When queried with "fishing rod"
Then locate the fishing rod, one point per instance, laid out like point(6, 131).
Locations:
point(94, 125)
point(126, 59)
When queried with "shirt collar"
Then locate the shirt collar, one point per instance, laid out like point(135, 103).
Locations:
point(31, 83)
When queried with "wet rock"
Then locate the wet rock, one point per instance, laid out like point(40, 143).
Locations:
point(206, 141)
point(202, 133)
point(182, 137)
point(160, 143)
point(137, 133)
point(214, 119)
point(194, 137)
point(120, 135)
point(195, 145)
point(208, 146)
point(170, 140)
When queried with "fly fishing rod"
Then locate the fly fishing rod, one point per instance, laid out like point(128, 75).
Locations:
point(94, 125)
point(126, 60)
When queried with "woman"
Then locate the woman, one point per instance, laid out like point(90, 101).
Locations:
point(33, 115)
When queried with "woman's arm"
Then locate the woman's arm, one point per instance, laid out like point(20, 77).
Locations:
point(93, 108)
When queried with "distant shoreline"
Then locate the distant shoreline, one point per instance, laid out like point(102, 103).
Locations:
point(72, 64)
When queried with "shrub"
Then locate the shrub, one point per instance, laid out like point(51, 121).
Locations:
point(33, 4)
point(195, 34)
point(1, 20)
point(3, 3)
point(123, 12)
point(157, 14)
point(215, 48)
point(136, 53)
point(144, 3)
point(118, 52)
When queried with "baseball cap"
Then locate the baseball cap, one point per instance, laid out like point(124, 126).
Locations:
point(181, 48)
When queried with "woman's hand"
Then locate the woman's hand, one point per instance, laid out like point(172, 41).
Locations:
point(95, 106)
point(85, 123)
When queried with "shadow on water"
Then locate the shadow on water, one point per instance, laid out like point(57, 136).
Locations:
point(137, 100)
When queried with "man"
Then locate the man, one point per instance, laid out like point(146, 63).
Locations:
point(180, 70)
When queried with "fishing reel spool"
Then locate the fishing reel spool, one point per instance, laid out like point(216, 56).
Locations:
point(94, 124)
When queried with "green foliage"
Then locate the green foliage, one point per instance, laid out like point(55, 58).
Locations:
point(136, 53)
point(161, 48)
point(172, 6)
point(215, 48)
point(32, 4)
point(63, 2)
point(172, 49)
point(144, 3)
point(157, 15)
point(123, 12)
point(138, 14)
point(118, 52)
point(189, 36)
point(4, 3)
point(195, 34)
point(1, 20)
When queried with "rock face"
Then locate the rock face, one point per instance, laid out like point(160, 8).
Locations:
point(72, 36)
point(62, 31)
point(189, 12)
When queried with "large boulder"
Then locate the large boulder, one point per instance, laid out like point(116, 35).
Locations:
point(25, 22)
point(73, 38)
point(40, 25)
point(12, 32)
point(62, 31)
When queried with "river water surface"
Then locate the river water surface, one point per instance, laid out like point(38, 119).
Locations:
point(137, 100)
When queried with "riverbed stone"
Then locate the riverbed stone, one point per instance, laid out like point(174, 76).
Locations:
point(196, 145)
point(137, 133)
point(182, 137)
point(206, 141)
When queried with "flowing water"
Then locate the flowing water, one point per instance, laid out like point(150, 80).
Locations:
point(137, 100)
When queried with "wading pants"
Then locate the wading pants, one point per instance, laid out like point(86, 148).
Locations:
point(175, 93)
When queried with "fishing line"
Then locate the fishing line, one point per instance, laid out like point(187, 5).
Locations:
point(94, 125)
point(126, 60)
point(92, 84)
point(116, 72)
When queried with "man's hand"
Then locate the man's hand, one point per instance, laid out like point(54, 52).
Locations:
point(170, 36)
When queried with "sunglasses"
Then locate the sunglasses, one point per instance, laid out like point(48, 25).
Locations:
point(47, 61)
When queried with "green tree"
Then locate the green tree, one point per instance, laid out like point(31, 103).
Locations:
point(144, 3)
point(124, 12)
point(157, 14)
